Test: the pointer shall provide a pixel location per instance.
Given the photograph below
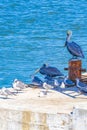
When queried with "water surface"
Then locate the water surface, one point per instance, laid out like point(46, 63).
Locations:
point(34, 32)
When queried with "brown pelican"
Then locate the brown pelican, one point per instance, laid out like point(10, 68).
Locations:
point(37, 81)
point(73, 47)
point(49, 71)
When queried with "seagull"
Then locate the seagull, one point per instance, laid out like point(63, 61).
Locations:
point(74, 49)
point(68, 82)
point(62, 85)
point(18, 85)
point(82, 86)
point(4, 89)
point(52, 81)
point(56, 83)
point(3, 92)
point(47, 86)
point(42, 93)
point(6, 92)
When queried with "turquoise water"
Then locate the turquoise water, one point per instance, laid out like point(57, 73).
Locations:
point(33, 32)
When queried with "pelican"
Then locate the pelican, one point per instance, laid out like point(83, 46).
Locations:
point(49, 71)
point(82, 86)
point(37, 81)
point(73, 47)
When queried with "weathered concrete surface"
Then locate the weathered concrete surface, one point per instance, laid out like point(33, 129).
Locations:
point(28, 111)
point(28, 120)
point(80, 117)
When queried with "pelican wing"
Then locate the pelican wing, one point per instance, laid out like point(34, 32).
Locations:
point(37, 81)
point(50, 71)
point(82, 84)
point(75, 49)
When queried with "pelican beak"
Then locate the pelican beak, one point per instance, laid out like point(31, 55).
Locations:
point(36, 71)
point(65, 44)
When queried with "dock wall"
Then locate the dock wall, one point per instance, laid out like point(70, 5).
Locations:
point(80, 118)
point(12, 119)
point(27, 120)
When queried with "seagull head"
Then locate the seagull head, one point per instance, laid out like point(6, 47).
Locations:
point(44, 84)
point(15, 80)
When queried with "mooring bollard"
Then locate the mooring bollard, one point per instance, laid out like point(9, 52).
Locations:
point(75, 69)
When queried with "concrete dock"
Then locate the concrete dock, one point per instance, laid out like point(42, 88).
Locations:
point(54, 111)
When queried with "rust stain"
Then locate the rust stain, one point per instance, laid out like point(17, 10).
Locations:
point(29, 118)
point(63, 123)
point(43, 127)
point(26, 119)
point(43, 119)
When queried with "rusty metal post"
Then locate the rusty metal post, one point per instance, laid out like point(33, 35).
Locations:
point(74, 70)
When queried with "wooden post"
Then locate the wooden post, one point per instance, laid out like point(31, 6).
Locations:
point(74, 69)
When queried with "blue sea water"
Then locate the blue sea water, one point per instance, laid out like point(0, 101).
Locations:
point(33, 32)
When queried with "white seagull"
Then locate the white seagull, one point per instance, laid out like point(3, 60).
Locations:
point(82, 86)
point(56, 83)
point(5, 92)
point(18, 85)
point(62, 85)
point(68, 82)
point(47, 86)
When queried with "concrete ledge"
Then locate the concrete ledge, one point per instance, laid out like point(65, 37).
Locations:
point(80, 117)
point(28, 111)
point(28, 120)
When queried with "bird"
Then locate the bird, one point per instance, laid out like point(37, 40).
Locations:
point(68, 82)
point(73, 48)
point(3, 92)
point(37, 81)
point(56, 83)
point(62, 85)
point(47, 86)
point(82, 86)
point(49, 71)
point(42, 93)
point(18, 85)
point(6, 92)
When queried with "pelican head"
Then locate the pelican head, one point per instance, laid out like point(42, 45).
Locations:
point(45, 65)
point(69, 33)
